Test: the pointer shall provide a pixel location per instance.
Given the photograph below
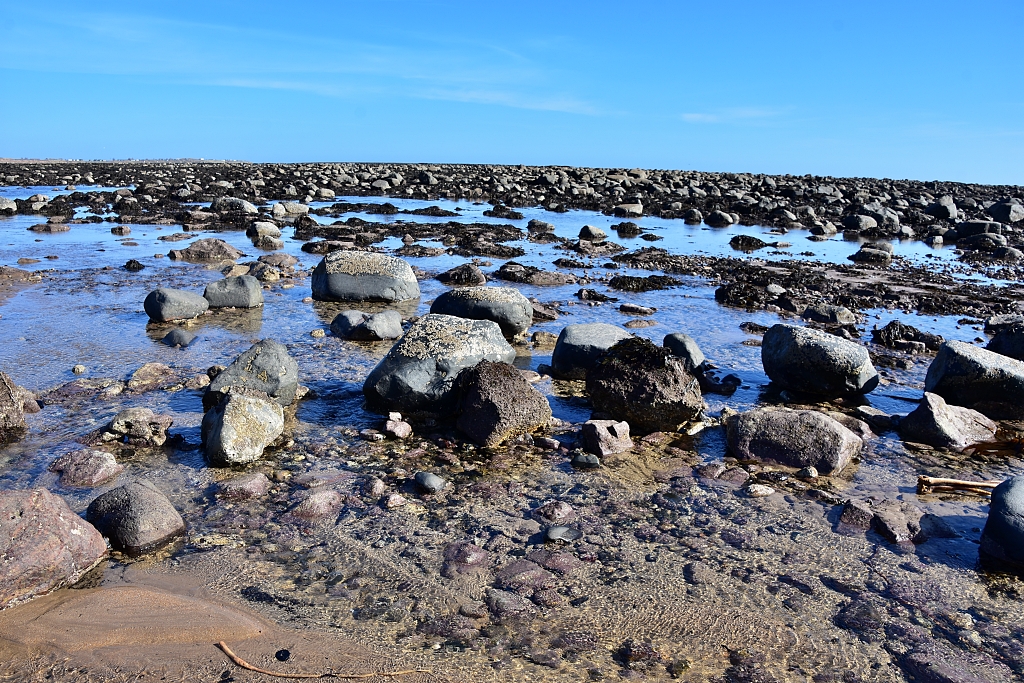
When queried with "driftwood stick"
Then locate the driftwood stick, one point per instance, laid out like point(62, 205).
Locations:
point(940, 485)
point(329, 674)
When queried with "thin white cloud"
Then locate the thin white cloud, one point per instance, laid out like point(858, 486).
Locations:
point(734, 115)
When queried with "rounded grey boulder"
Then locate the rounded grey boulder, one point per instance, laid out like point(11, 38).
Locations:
point(419, 374)
point(179, 337)
point(579, 346)
point(135, 517)
point(1003, 537)
point(684, 347)
point(363, 276)
point(793, 438)
point(364, 327)
point(242, 291)
point(237, 429)
point(164, 305)
point(266, 367)
point(814, 362)
point(504, 305)
point(968, 376)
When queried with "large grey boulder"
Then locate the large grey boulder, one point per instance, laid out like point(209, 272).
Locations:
point(968, 376)
point(266, 367)
point(363, 276)
point(136, 517)
point(419, 373)
point(579, 346)
point(164, 305)
point(814, 362)
point(365, 327)
point(12, 410)
point(1003, 537)
point(1007, 211)
point(793, 438)
point(939, 424)
point(240, 427)
point(504, 305)
point(242, 291)
point(44, 545)
point(645, 385)
point(496, 404)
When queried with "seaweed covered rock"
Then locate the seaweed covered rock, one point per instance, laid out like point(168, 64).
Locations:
point(968, 376)
point(240, 427)
point(793, 438)
point(136, 517)
point(898, 335)
point(44, 545)
point(504, 305)
point(814, 362)
point(363, 276)
point(497, 404)
point(419, 373)
point(579, 346)
point(266, 367)
point(645, 385)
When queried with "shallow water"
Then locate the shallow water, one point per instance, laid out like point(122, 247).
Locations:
point(88, 310)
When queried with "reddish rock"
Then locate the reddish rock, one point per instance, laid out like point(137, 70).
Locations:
point(44, 545)
point(86, 468)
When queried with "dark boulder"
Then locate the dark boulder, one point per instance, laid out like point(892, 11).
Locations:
point(242, 291)
point(939, 424)
point(361, 326)
point(12, 410)
point(814, 362)
point(1003, 536)
point(497, 404)
point(969, 376)
point(136, 518)
point(164, 305)
point(579, 346)
point(645, 385)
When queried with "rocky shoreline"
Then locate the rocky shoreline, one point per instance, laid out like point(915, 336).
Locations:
point(472, 526)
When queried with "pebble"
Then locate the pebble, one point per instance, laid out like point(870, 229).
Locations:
point(586, 461)
point(394, 500)
point(318, 333)
point(78, 369)
point(759, 490)
point(562, 534)
point(428, 482)
point(809, 472)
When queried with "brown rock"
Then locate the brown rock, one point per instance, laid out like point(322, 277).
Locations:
point(44, 545)
point(498, 404)
point(86, 468)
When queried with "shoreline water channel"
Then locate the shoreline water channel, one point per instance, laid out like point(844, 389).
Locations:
point(669, 564)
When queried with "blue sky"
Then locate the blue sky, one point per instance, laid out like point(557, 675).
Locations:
point(927, 90)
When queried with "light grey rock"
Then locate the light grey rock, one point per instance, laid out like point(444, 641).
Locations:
point(242, 291)
point(419, 373)
point(266, 367)
point(165, 305)
point(428, 482)
point(579, 346)
point(859, 222)
point(939, 424)
point(8, 206)
point(139, 427)
point(136, 517)
point(44, 545)
point(719, 219)
point(504, 305)
point(814, 362)
point(589, 232)
point(363, 276)
point(361, 326)
point(685, 347)
point(605, 437)
point(263, 229)
point(244, 487)
point(827, 313)
point(968, 376)
point(1007, 211)
point(1003, 536)
point(233, 204)
point(793, 438)
point(240, 427)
